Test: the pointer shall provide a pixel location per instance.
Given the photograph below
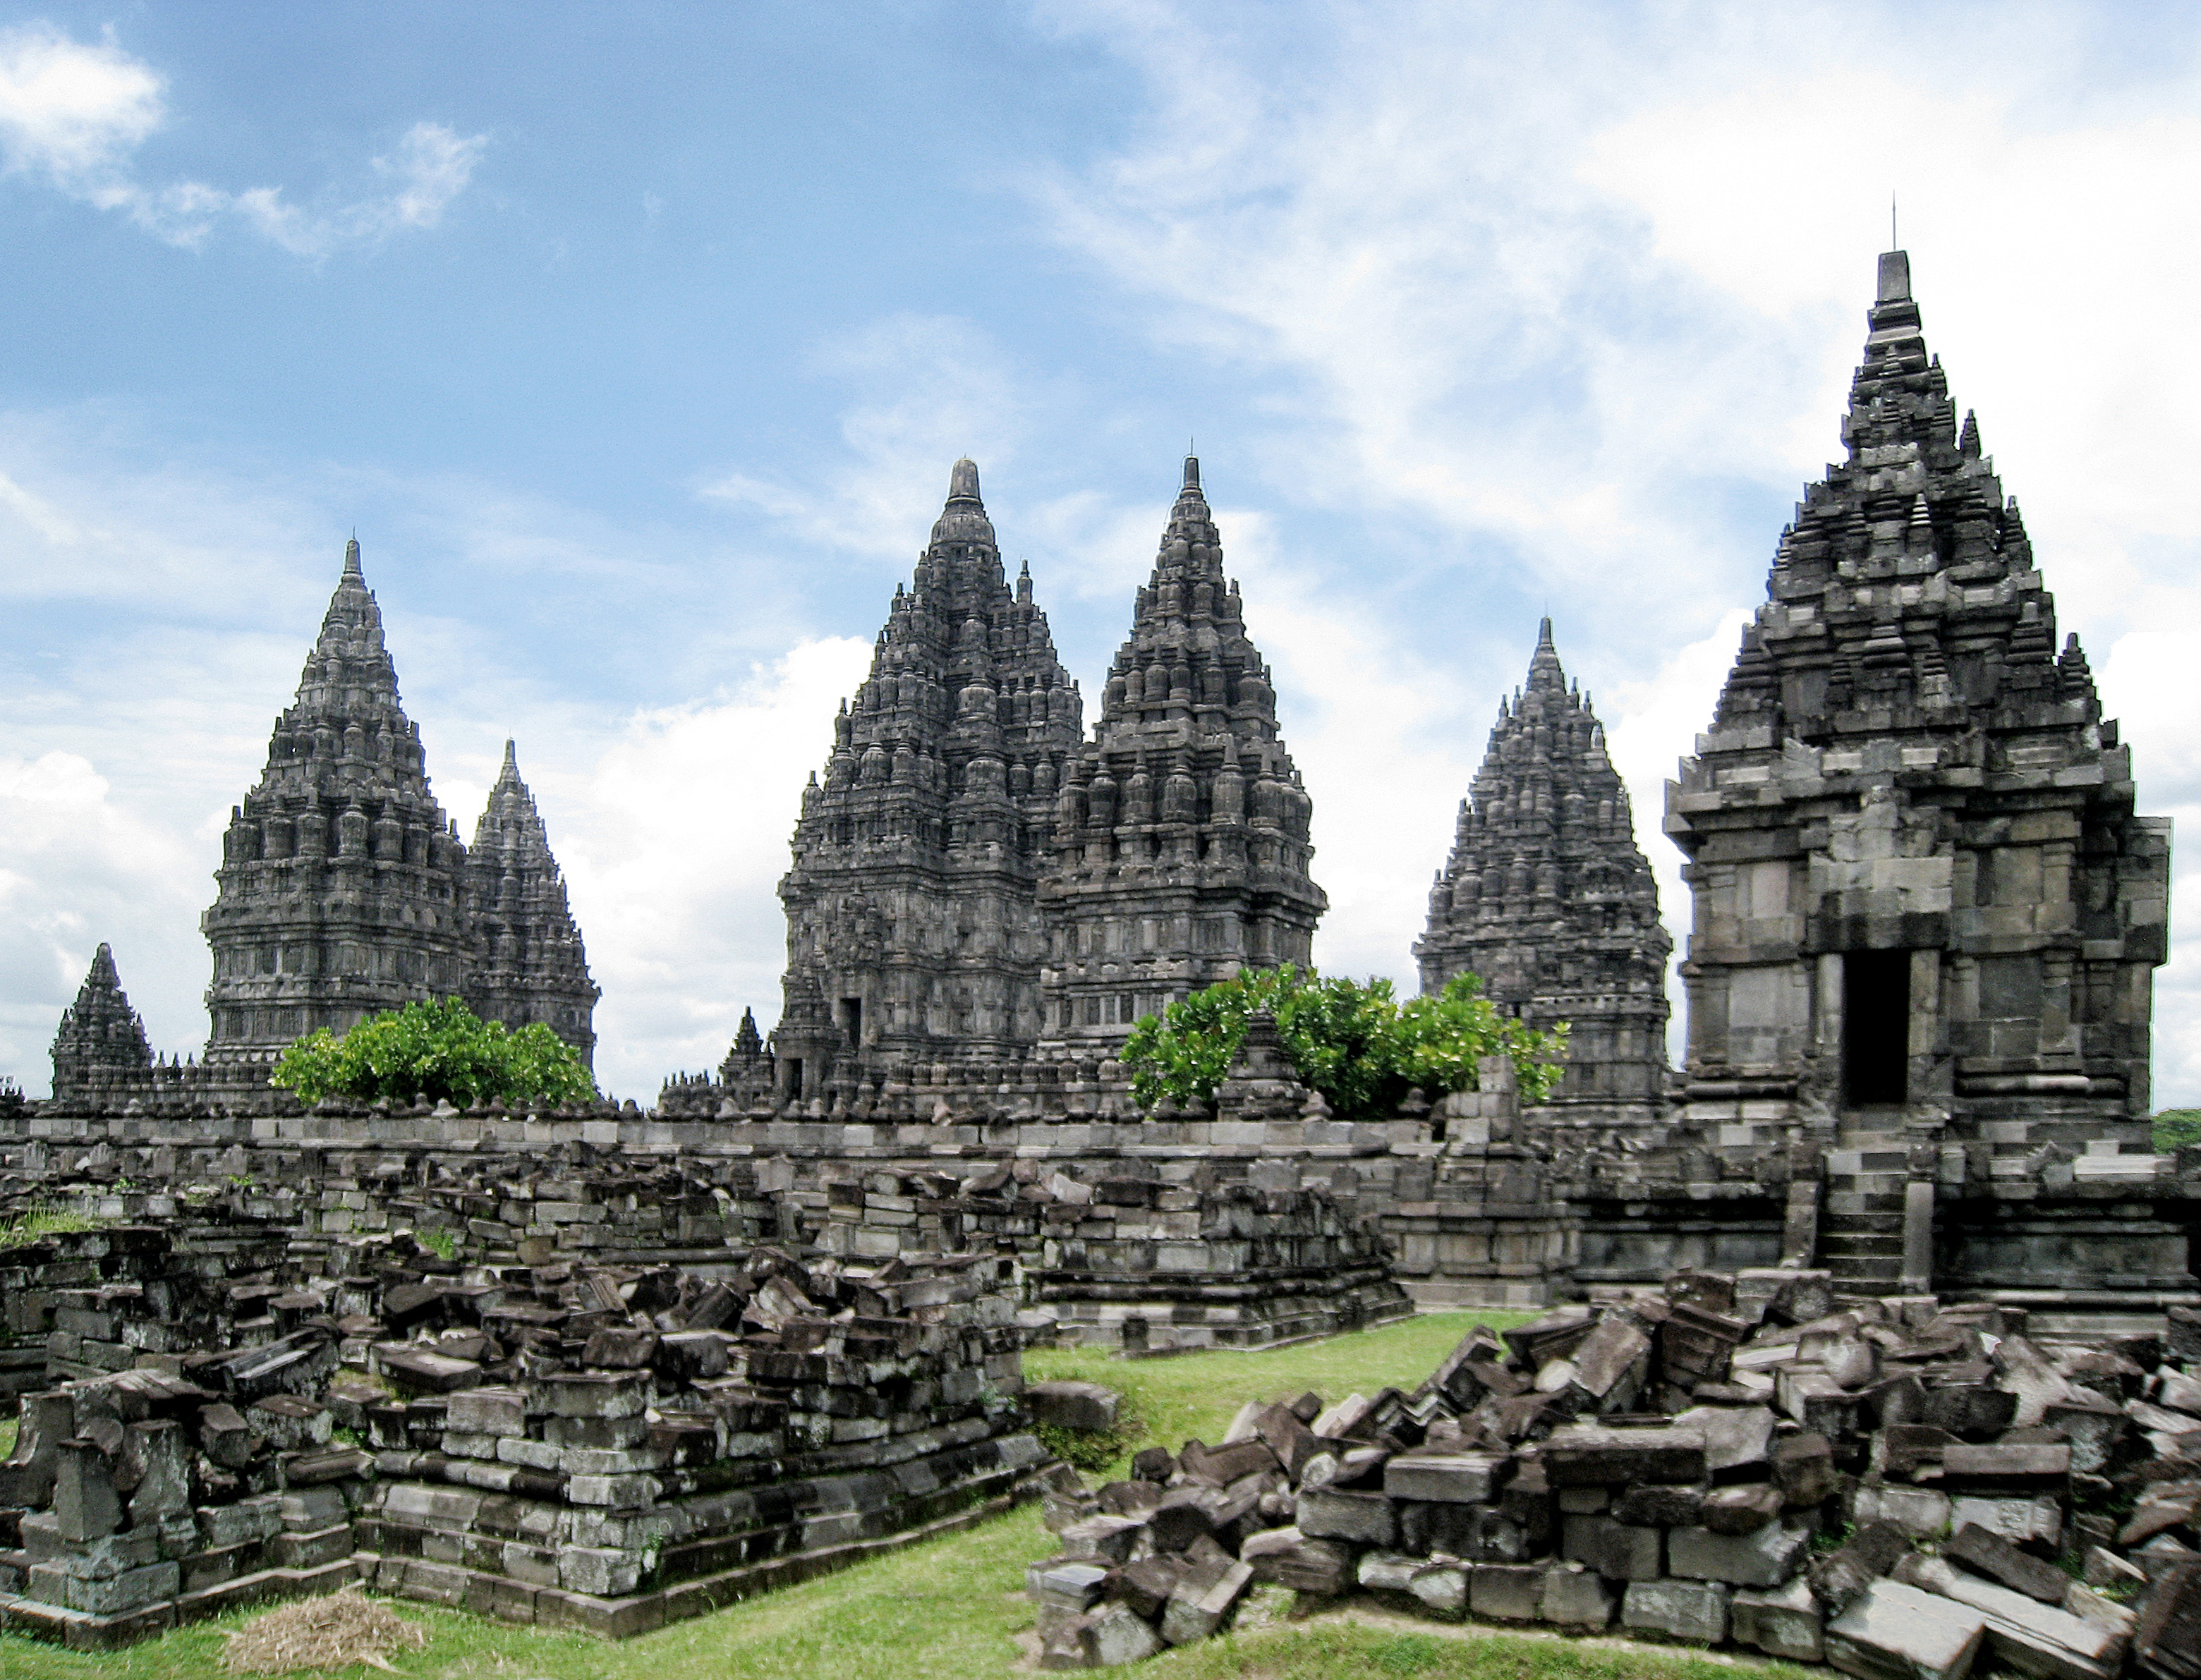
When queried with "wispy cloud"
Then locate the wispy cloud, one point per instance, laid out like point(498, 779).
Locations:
point(75, 113)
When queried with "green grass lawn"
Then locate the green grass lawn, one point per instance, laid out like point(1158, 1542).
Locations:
point(950, 1609)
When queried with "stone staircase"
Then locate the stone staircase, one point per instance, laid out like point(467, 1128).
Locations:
point(1861, 1224)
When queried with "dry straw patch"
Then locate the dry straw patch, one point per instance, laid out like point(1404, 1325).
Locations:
point(321, 1633)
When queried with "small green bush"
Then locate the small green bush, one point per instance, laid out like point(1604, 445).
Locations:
point(435, 1051)
point(2174, 1128)
point(1353, 1042)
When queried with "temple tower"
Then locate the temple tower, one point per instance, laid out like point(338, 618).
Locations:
point(1180, 835)
point(341, 877)
point(1926, 913)
point(913, 921)
point(1547, 897)
point(529, 963)
point(101, 1044)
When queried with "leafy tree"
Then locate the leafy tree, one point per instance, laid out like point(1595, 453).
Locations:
point(432, 1052)
point(1354, 1043)
point(2174, 1128)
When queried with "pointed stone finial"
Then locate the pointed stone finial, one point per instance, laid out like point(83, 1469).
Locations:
point(1894, 276)
point(1192, 472)
point(963, 482)
point(351, 559)
point(1544, 644)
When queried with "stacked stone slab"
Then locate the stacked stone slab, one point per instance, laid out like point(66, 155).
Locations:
point(1926, 914)
point(912, 923)
point(653, 1446)
point(1134, 1263)
point(1725, 1461)
point(1547, 898)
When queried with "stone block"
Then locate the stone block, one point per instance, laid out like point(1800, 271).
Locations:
point(1650, 1504)
point(1895, 1632)
point(1780, 1621)
point(1575, 1597)
point(1201, 1602)
point(608, 1395)
point(1618, 1551)
point(1113, 1636)
point(1766, 1557)
point(1460, 1478)
point(1580, 1453)
point(1102, 1537)
point(159, 1457)
point(1693, 1610)
point(1802, 1469)
point(1284, 1557)
point(85, 1503)
point(1988, 1554)
point(2022, 1522)
point(1507, 1592)
point(1442, 1590)
point(599, 1571)
point(1738, 1439)
point(1921, 1512)
point(487, 1411)
point(1477, 1533)
point(1742, 1509)
point(1332, 1513)
point(1071, 1405)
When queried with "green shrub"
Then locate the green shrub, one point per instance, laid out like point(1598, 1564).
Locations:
point(1354, 1043)
point(2174, 1128)
point(438, 1051)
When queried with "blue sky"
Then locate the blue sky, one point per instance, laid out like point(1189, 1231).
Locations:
point(636, 343)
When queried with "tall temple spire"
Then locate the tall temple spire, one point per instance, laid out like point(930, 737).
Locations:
point(529, 962)
point(913, 921)
point(1920, 883)
point(339, 882)
point(1182, 840)
point(1547, 897)
point(101, 1044)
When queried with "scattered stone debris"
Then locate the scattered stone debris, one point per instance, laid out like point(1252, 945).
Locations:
point(1894, 1487)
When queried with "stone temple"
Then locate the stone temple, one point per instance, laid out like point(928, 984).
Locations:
point(1925, 919)
point(1547, 898)
point(345, 890)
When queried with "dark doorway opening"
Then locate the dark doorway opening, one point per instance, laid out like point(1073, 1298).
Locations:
point(1876, 1026)
point(852, 1020)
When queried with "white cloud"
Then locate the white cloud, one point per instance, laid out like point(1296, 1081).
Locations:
point(75, 113)
point(72, 111)
point(929, 389)
point(674, 843)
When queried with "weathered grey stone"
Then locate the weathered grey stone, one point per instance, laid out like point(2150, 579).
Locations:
point(1284, 1557)
point(1994, 1557)
point(1766, 1557)
point(2020, 1521)
point(1478, 1533)
point(1575, 1596)
point(1461, 1478)
point(1102, 1537)
point(1073, 1405)
point(1200, 1606)
point(1442, 1589)
point(1592, 1453)
point(487, 1411)
point(1742, 1509)
point(1331, 1513)
point(1694, 1611)
point(1507, 1592)
point(1615, 1550)
point(1920, 1513)
point(1780, 1621)
point(1112, 1637)
point(1895, 1632)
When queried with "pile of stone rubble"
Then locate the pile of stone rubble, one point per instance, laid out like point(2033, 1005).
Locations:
point(569, 1443)
point(1898, 1488)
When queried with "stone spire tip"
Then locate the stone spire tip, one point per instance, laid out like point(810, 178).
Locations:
point(351, 557)
point(1894, 276)
point(963, 481)
point(1192, 472)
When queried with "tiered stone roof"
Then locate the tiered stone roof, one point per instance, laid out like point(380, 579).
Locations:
point(530, 963)
point(101, 1040)
point(1180, 835)
point(913, 921)
point(1547, 897)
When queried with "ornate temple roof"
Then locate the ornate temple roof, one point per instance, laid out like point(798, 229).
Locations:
point(100, 1031)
